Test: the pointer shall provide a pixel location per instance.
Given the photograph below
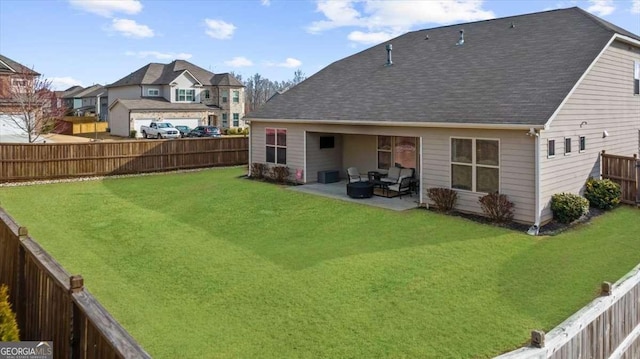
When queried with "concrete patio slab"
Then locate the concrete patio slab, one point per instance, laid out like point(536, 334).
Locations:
point(338, 190)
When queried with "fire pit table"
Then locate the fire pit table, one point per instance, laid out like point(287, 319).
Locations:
point(362, 189)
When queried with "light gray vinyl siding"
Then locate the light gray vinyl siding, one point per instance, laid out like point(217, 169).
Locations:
point(132, 92)
point(119, 122)
point(603, 101)
point(359, 149)
point(322, 159)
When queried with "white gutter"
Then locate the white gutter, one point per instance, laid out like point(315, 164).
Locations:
point(533, 230)
point(488, 126)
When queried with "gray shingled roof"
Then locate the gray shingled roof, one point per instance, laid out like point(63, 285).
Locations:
point(164, 74)
point(501, 75)
point(14, 66)
point(72, 91)
point(163, 105)
point(91, 91)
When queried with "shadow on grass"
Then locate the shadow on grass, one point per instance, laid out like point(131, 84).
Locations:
point(293, 230)
point(547, 281)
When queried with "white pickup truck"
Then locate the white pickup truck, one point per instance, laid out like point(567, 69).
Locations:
point(160, 130)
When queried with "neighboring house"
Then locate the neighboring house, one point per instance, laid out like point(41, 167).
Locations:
point(69, 98)
point(93, 102)
point(11, 75)
point(523, 106)
point(179, 92)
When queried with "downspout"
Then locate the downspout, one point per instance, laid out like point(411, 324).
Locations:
point(533, 230)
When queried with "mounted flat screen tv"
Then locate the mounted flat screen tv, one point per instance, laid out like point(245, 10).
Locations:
point(327, 142)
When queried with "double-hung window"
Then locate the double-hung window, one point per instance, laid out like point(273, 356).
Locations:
point(153, 92)
point(236, 119)
point(276, 145)
point(567, 146)
point(384, 152)
point(225, 120)
point(551, 148)
point(185, 95)
point(206, 94)
point(236, 96)
point(225, 96)
point(475, 164)
point(583, 143)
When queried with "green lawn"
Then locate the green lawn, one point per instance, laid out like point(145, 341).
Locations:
point(210, 265)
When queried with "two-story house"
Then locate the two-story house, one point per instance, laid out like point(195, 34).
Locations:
point(92, 102)
point(12, 74)
point(179, 92)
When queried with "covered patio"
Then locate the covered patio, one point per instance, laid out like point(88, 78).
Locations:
point(338, 190)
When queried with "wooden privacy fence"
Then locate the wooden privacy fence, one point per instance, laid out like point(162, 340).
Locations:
point(28, 162)
point(608, 327)
point(52, 305)
point(624, 171)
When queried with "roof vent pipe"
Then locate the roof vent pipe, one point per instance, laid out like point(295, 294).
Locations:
point(461, 41)
point(389, 60)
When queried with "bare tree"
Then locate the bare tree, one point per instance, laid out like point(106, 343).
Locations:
point(33, 105)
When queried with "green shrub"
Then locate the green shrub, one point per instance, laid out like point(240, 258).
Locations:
point(567, 207)
point(603, 194)
point(8, 326)
point(497, 207)
point(132, 133)
point(245, 131)
point(258, 170)
point(444, 198)
point(280, 174)
point(232, 131)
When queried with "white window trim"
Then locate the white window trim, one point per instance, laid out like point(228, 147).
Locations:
point(185, 95)
point(636, 76)
point(580, 150)
point(206, 94)
point(156, 91)
point(234, 98)
point(565, 146)
point(275, 146)
point(473, 163)
point(379, 150)
point(554, 148)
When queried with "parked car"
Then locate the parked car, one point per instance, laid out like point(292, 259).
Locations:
point(159, 130)
point(205, 131)
point(184, 130)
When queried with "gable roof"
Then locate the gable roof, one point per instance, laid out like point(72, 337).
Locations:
point(90, 91)
point(515, 70)
point(71, 92)
point(9, 66)
point(164, 74)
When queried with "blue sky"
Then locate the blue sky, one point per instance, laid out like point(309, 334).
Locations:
point(100, 41)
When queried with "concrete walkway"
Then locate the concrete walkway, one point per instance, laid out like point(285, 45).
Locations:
point(338, 191)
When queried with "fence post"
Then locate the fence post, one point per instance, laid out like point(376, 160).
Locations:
point(20, 299)
point(76, 285)
point(605, 288)
point(537, 338)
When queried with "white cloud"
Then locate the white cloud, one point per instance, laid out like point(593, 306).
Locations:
point(601, 7)
point(107, 8)
point(290, 62)
point(265, 2)
point(389, 18)
point(130, 28)
point(63, 83)
point(370, 38)
point(219, 29)
point(159, 55)
point(239, 61)
point(635, 7)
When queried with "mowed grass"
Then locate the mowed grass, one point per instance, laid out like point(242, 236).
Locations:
point(211, 265)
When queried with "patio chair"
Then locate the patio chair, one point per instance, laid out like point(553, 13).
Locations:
point(402, 187)
point(355, 176)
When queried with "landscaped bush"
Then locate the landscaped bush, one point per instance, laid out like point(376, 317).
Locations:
point(245, 131)
point(8, 326)
point(232, 131)
point(567, 207)
point(603, 194)
point(280, 174)
point(497, 207)
point(132, 133)
point(258, 170)
point(444, 198)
